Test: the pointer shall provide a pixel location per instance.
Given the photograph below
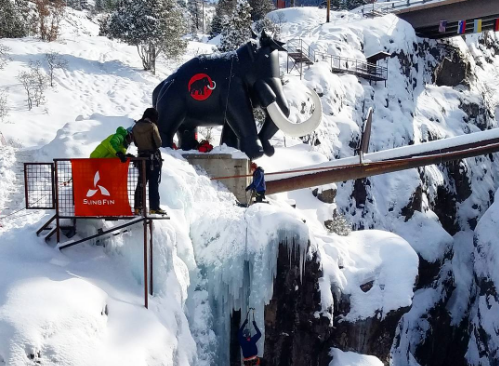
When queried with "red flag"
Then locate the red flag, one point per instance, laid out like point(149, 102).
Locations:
point(496, 28)
point(100, 187)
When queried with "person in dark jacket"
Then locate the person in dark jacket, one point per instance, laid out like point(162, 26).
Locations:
point(148, 141)
point(258, 184)
point(248, 344)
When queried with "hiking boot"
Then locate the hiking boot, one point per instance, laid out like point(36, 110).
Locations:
point(137, 212)
point(158, 211)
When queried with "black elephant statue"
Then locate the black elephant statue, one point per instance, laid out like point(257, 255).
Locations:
point(222, 89)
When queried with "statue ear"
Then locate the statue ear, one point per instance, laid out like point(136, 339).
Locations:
point(264, 34)
point(280, 45)
point(253, 34)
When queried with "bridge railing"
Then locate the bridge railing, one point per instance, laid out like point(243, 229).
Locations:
point(393, 6)
point(353, 66)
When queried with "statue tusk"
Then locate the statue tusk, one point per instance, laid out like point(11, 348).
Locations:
point(297, 129)
point(212, 87)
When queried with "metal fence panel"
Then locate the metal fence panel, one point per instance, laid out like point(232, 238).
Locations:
point(64, 185)
point(39, 185)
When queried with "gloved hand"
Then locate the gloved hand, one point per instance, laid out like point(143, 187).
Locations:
point(247, 188)
point(122, 156)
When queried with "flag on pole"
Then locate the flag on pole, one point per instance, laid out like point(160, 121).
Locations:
point(478, 26)
point(443, 26)
point(496, 28)
point(461, 27)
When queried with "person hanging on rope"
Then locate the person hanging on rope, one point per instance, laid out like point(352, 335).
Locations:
point(258, 185)
point(248, 342)
point(148, 141)
point(115, 145)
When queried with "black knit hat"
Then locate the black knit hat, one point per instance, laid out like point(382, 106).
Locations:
point(151, 114)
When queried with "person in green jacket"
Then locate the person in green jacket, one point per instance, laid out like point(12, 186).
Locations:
point(114, 145)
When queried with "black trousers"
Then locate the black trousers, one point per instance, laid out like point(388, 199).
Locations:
point(153, 175)
point(260, 196)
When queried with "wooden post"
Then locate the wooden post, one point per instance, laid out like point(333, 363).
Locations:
point(328, 10)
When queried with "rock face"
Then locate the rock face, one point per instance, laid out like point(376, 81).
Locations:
point(325, 195)
point(483, 347)
point(452, 71)
point(372, 336)
point(294, 336)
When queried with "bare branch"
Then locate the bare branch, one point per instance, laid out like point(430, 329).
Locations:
point(3, 55)
point(27, 81)
point(55, 61)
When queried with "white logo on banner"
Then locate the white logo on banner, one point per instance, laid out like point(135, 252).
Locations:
point(102, 190)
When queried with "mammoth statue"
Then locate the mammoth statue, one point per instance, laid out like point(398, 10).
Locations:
point(222, 90)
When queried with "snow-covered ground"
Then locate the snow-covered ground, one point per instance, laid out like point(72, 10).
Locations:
point(84, 306)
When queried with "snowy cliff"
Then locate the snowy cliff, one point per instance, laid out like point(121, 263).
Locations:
point(414, 284)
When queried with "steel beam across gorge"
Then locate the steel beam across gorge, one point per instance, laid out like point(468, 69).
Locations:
point(450, 10)
point(357, 171)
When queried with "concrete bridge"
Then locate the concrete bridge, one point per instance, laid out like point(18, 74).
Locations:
point(426, 18)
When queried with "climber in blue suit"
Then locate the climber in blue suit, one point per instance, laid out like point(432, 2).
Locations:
point(258, 184)
point(248, 344)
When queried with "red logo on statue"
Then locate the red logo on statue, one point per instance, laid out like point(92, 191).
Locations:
point(201, 86)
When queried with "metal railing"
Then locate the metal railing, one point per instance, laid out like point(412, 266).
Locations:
point(297, 45)
point(64, 185)
point(50, 186)
point(393, 6)
point(353, 66)
point(39, 186)
point(300, 50)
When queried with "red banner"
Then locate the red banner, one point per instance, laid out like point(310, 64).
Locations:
point(100, 187)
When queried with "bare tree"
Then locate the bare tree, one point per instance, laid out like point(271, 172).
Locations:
point(34, 83)
point(3, 55)
point(27, 81)
point(40, 82)
point(4, 105)
point(55, 61)
point(49, 14)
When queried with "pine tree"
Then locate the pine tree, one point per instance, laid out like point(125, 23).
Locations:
point(196, 12)
point(224, 8)
point(153, 26)
point(12, 24)
point(260, 8)
point(99, 6)
point(338, 224)
point(337, 4)
point(270, 26)
point(352, 4)
point(236, 29)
